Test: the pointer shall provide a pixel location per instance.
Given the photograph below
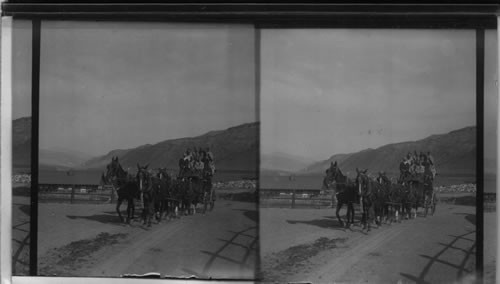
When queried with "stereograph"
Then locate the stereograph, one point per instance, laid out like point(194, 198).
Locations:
point(249, 142)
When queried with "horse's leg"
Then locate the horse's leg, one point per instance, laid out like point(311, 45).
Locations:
point(118, 203)
point(364, 217)
point(349, 215)
point(151, 212)
point(388, 211)
point(337, 210)
point(350, 208)
point(176, 209)
point(205, 201)
point(372, 218)
point(144, 212)
point(163, 209)
point(212, 199)
point(128, 211)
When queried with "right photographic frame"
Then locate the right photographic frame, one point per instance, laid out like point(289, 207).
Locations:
point(372, 165)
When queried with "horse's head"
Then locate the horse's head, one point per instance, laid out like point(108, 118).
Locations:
point(113, 171)
point(331, 175)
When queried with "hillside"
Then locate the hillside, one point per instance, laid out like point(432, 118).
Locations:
point(453, 152)
point(278, 161)
point(48, 158)
point(235, 148)
point(62, 158)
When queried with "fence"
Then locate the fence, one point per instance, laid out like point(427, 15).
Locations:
point(75, 193)
point(490, 202)
point(294, 198)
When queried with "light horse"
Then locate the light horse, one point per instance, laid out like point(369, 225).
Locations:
point(126, 188)
point(145, 184)
point(345, 192)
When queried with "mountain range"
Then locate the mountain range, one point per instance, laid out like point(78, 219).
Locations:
point(235, 149)
point(54, 158)
point(282, 162)
point(453, 152)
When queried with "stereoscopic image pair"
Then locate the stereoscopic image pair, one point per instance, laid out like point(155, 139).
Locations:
point(274, 155)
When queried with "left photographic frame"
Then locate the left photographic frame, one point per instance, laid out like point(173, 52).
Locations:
point(146, 156)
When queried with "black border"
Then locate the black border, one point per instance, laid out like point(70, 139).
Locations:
point(480, 53)
point(316, 14)
point(35, 112)
point(357, 14)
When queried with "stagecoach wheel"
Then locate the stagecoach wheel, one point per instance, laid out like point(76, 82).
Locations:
point(426, 206)
point(433, 209)
point(212, 200)
point(205, 202)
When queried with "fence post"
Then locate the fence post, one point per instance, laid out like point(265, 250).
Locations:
point(293, 199)
point(72, 194)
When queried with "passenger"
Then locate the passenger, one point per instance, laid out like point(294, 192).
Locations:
point(430, 158)
point(383, 179)
point(187, 155)
point(199, 167)
point(210, 156)
point(210, 159)
point(195, 154)
point(420, 169)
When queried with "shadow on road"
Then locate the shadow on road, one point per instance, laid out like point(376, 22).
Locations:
point(102, 218)
point(242, 263)
point(250, 214)
point(469, 217)
point(20, 258)
point(327, 223)
point(420, 279)
point(25, 208)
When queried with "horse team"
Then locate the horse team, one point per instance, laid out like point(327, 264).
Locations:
point(380, 200)
point(160, 194)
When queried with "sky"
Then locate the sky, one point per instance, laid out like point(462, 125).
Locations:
point(107, 86)
point(329, 91)
point(322, 91)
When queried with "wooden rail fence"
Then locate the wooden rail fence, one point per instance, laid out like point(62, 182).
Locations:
point(75, 194)
point(294, 198)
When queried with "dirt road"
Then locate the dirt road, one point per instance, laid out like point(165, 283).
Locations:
point(20, 235)
point(308, 245)
point(87, 240)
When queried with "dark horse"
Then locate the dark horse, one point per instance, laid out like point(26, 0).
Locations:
point(145, 183)
point(368, 191)
point(161, 185)
point(125, 186)
point(208, 190)
point(193, 186)
point(345, 192)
